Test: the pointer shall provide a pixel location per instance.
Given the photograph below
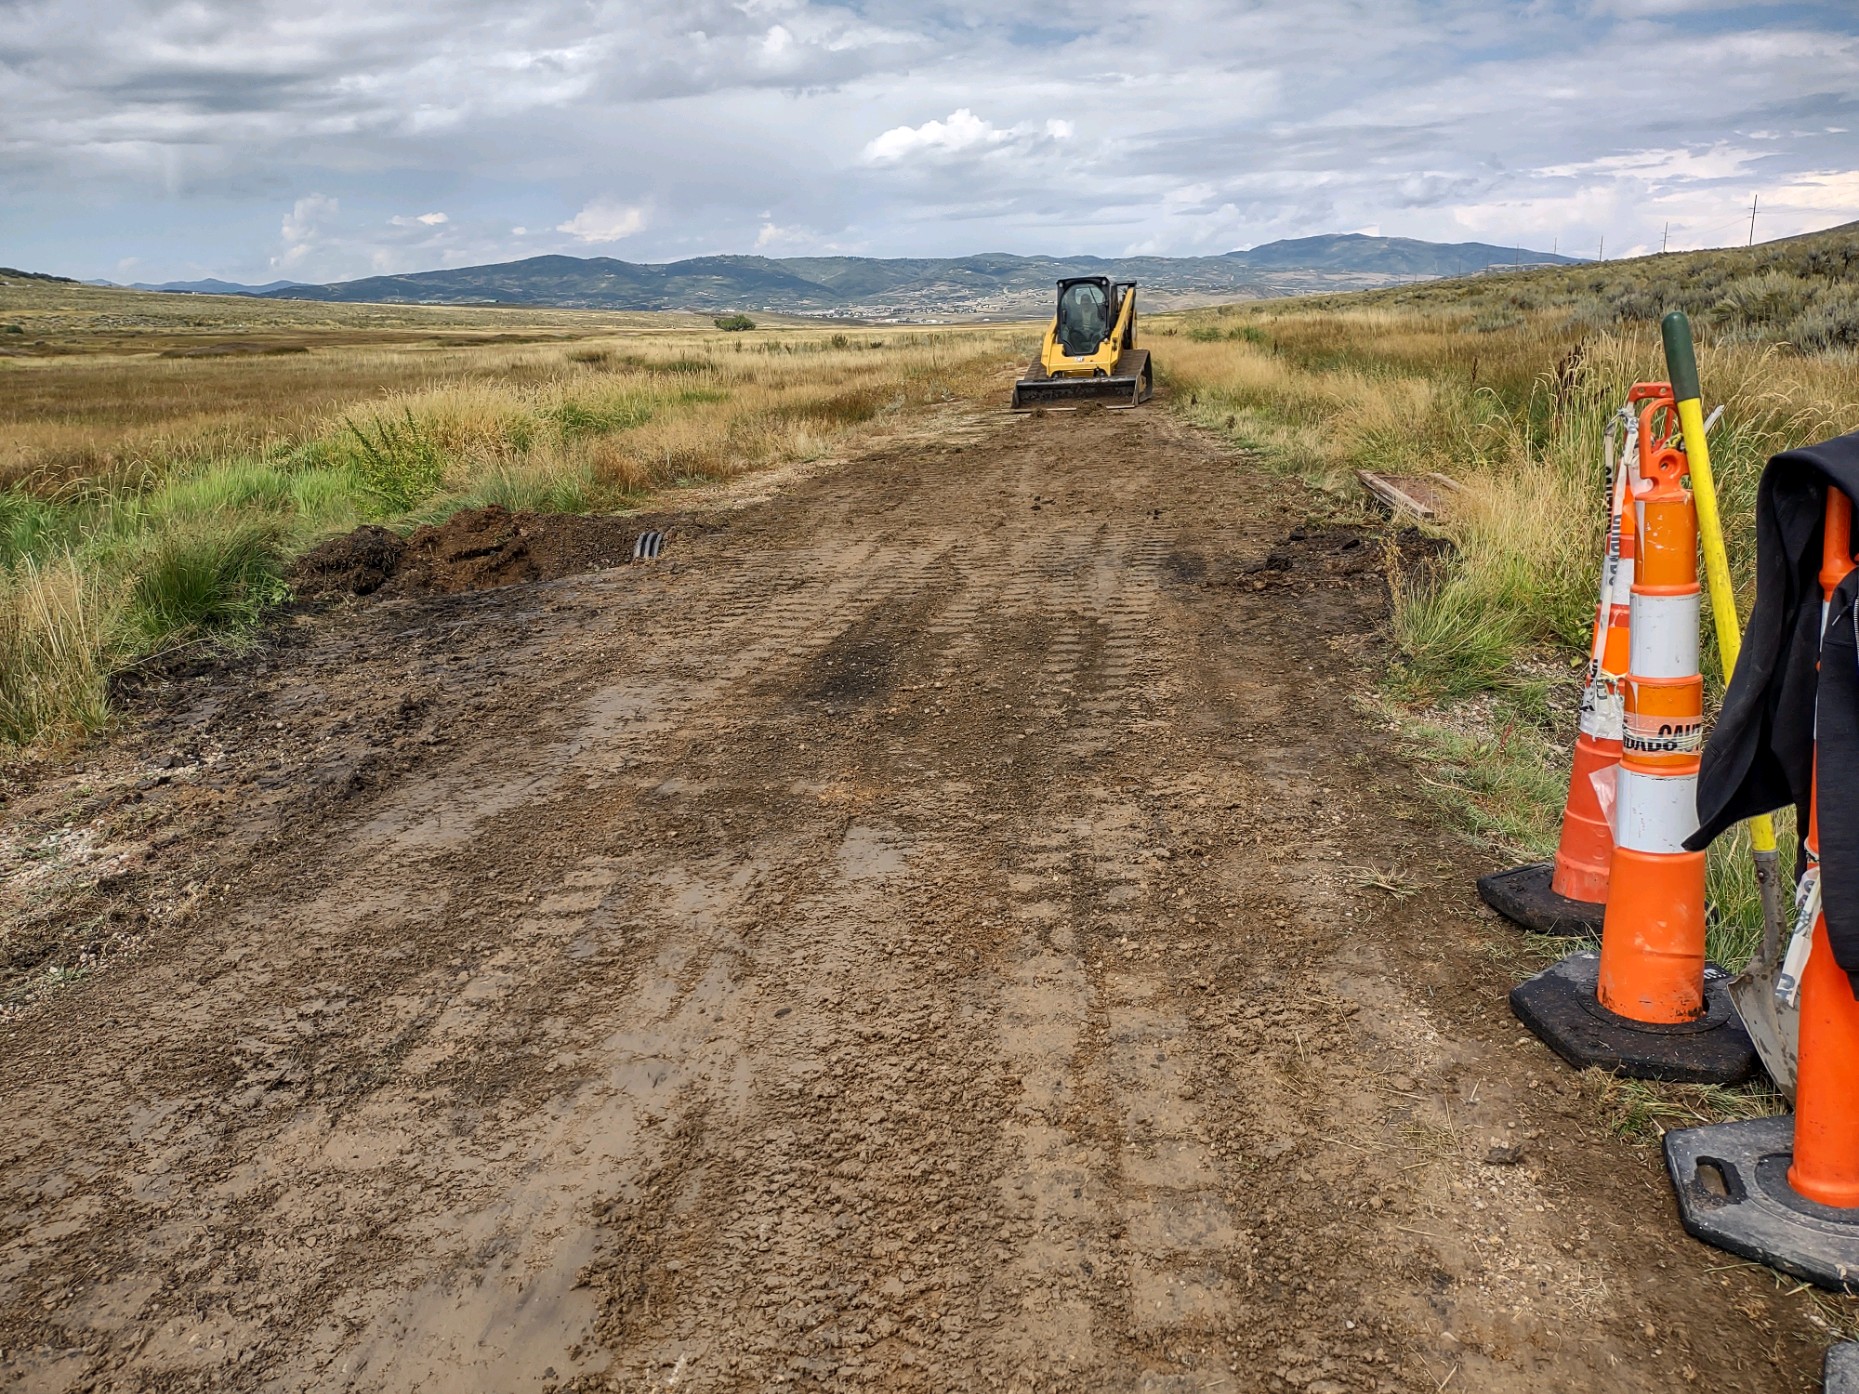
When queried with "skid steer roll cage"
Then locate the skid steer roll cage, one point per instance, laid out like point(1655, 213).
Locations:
point(1101, 360)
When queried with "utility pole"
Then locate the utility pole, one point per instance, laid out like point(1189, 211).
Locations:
point(1664, 238)
point(1753, 203)
point(1602, 254)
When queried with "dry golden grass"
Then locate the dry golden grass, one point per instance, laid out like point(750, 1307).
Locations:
point(1519, 412)
point(51, 646)
point(119, 384)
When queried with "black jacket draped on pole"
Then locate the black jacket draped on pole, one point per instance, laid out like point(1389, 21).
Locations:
point(1760, 755)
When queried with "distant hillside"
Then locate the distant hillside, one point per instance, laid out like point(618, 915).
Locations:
point(35, 276)
point(1399, 256)
point(912, 287)
point(211, 286)
point(1802, 290)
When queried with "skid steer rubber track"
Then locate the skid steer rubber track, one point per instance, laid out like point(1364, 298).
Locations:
point(1131, 383)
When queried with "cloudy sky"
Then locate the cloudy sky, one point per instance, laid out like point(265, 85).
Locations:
point(274, 139)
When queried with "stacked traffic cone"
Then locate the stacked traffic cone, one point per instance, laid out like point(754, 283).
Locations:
point(1648, 1005)
point(1568, 896)
point(1585, 853)
point(1785, 1190)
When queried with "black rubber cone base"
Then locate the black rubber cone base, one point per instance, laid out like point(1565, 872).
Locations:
point(1559, 1005)
point(1523, 896)
point(1840, 1375)
point(1733, 1193)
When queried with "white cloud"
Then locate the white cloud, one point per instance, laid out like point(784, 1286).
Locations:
point(304, 226)
point(1663, 165)
point(962, 131)
point(773, 238)
point(418, 220)
point(1828, 190)
point(602, 221)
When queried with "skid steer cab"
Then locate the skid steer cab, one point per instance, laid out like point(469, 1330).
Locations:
point(1090, 352)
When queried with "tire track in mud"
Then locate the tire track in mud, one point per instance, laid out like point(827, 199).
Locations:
point(918, 942)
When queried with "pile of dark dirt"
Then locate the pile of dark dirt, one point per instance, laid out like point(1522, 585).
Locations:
point(356, 563)
point(475, 549)
point(1334, 555)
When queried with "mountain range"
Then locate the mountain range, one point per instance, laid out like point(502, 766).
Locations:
point(213, 286)
point(903, 287)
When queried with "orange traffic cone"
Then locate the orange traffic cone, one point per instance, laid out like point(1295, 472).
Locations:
point(1648, 1005)
point(1826, 1099)
point(1785, 1191)
point(1568, 896)
point(1585, 854)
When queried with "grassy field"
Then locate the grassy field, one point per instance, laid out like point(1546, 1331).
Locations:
point(1506, 383)
point(163, 457)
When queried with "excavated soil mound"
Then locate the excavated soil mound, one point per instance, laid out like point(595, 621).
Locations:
point(475, 549)
point(356, 563)
point(472, 550)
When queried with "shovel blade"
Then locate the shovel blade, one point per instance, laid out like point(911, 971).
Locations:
point(1774, 1028)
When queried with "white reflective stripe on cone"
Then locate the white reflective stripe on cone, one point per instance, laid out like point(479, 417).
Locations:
point(1602, 714)
point(1664, 641)
point(1622, 595)
point(1589, 716)
point(1654, 813)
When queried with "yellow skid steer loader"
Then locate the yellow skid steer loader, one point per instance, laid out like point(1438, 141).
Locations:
point(1090, 350)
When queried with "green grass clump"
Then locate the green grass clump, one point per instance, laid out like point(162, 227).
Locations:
point(1496, 774)
point(524, 488)
point(30, 527)
point(575, 418)
point(212, 576)
point(1461, 636)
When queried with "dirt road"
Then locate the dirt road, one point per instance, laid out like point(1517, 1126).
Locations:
point(949, 926)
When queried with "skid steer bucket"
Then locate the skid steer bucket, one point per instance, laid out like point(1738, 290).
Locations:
point(1129, 382)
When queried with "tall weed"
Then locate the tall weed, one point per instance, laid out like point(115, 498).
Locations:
point(54, 635)
point(398, 463)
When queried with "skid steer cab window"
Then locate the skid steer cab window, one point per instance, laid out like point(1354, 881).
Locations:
point(1084, 319)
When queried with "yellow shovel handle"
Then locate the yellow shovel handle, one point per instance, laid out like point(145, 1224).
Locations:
point(1710, 533)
